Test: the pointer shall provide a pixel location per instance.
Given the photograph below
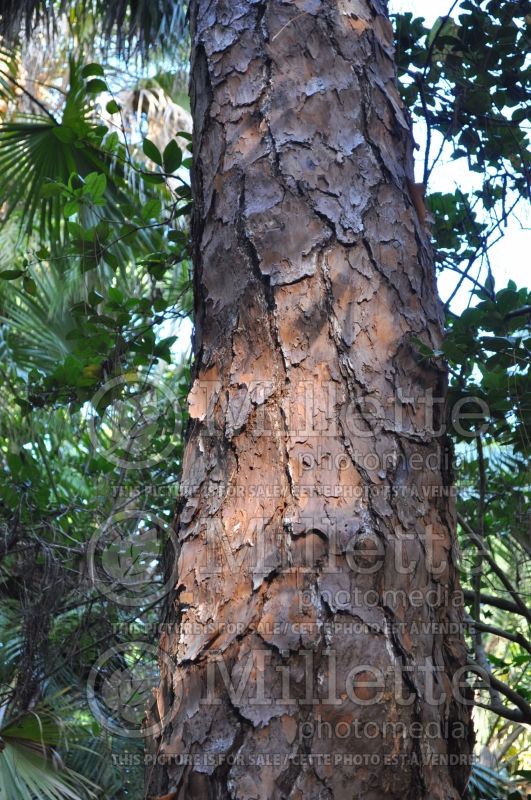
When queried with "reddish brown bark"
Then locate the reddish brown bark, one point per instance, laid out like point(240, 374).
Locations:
point(317, 515)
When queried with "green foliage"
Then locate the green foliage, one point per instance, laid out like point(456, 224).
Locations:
point(487, 347)
point(30, 765)
point(463, 81)
point(465, 78)
point(97, 283)
point(489, 784)
point(133, 25)
point(38, 155)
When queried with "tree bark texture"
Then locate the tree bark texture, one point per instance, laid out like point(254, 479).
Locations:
point(315, 625)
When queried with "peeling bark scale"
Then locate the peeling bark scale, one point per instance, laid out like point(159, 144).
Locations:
point(315, 626)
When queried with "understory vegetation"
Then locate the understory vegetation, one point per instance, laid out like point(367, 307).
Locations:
point(96, 311)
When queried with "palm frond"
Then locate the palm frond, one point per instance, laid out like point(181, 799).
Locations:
point(36, 327)
point(136, 24)
point(26, 774)
point(8, 71)
point(487, 783)
point(39, 156)
point(31, 768)
point(37, 149)
point(94, 759)
point(11, 639)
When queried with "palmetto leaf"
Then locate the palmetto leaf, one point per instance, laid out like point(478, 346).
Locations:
point(40, 729)
point(488, 784)
point(10, 637)
point(29, 153)
point(8, 70)
point(26, 774)
point(29, 766)
point(94, 761)
point(135, 23)
point(37, 327)
point(37, 151)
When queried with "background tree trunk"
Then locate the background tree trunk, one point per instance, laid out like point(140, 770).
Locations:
point(312, 619)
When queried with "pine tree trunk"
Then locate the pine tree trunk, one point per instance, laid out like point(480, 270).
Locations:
point(315, 625)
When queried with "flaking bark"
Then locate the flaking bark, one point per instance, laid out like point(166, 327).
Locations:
point(314, 284)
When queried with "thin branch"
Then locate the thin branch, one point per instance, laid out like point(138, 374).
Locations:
point(519, 312)
point(485, 246)
point(507, 743)
point(495, 602)
point(472, 535)
point(32, 98)
point(510, 694)
point(289, 22)
point(522, 712)
point(513, 715)
point(478, 564)
point(427, 148)
point(517, 638)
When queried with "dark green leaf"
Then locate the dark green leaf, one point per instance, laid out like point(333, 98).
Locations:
point(11, 274)
point(52, 189)
point(96, 86)
point(152, 151)
point(29, 285)
point(112, 107)
point(172, 156)
point(92, 69)
point(71, 208)
point(64, 134)
point(151, 209)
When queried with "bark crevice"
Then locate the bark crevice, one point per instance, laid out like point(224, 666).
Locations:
point(313, 280)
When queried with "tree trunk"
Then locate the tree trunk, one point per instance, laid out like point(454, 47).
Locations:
point(315, 625)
